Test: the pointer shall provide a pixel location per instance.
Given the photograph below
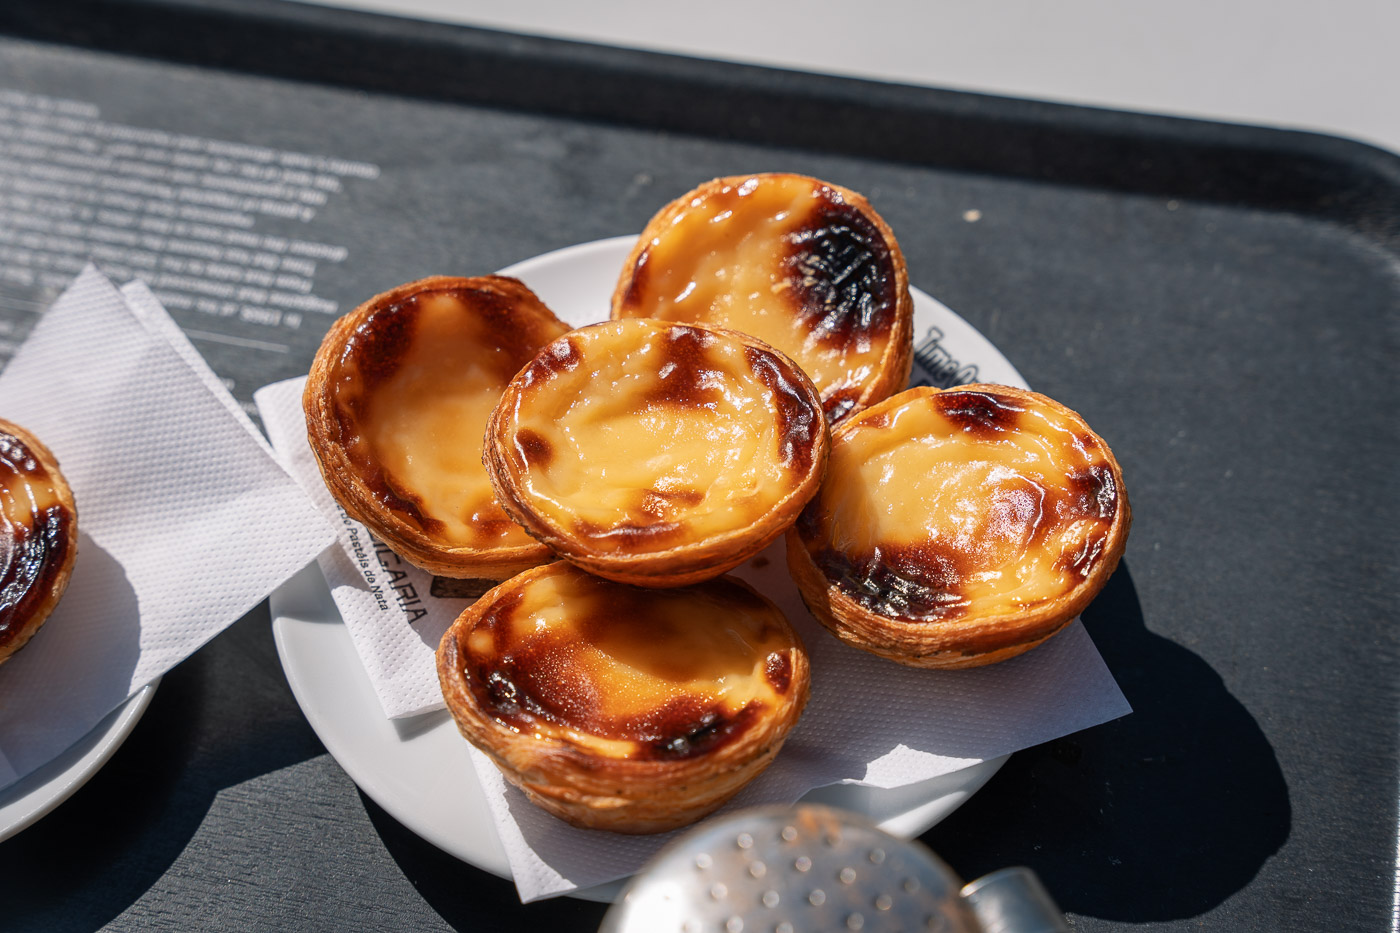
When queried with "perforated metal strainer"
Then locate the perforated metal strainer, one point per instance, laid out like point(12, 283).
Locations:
point(813, 868)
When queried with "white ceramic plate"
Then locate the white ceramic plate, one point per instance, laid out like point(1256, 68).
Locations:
point(37, 793)
point(419, 770)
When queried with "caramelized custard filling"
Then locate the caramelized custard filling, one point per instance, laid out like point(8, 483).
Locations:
point(783, 258)
point(960, 500)
point(34, 533)
point(415, 386)
point(636, 434)
point(627, 672)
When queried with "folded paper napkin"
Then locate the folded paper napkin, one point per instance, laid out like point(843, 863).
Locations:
point(869, 721)
point(388, 605)
point(186, 521)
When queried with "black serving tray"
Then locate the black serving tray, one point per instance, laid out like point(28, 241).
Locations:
point(1222, 304)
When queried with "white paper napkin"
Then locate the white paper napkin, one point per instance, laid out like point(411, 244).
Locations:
point(869, 721)
point(185, 519)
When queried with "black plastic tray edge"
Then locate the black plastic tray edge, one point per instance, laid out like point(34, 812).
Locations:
point(1329, 177)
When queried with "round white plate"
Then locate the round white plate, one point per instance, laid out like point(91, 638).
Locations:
point(419, 769)
point(37, 793)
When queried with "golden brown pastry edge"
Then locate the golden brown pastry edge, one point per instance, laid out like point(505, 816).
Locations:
point(342, 476)
point(595, 791)
point(684, 564)
point(896, 363)
point(957, 643)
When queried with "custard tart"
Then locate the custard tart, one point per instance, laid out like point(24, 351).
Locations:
point(802, 264)
point(396, 405)
point(655, 453)
point(960, 527)
point(621, 708)
point(38, 536)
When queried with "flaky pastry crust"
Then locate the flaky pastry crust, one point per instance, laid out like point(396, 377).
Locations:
point(960, 527)
point(38, 536)
point(803, 264)
point(620, 708)
point(396, 404)
point(654, 453)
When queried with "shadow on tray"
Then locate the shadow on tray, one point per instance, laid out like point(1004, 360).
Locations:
point(100, 851)
point(471, 899)
point(1159, 815)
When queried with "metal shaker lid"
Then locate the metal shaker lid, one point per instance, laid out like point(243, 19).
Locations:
point(792, 870)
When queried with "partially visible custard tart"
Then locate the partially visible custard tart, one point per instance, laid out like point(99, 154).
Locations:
point(621, 708)
point(802, 264)
point(654, 453)
point(38, 536)
point(960, 527)
point(396, 404)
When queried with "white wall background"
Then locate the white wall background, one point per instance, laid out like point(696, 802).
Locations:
point(1332, 67)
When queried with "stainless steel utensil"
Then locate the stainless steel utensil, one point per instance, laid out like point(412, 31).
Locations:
point(810, 868)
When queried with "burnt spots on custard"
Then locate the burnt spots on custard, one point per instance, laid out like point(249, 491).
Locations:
point(33, 541)
point(520, 693)
point(542, 679)
point(380, 342)
point(502, 696)
point(1091, 497)
point(526, 674)
point(489, 664)
point(979, 414)
point(1093, 493)
point(1088, 446)
point(840, 404)
point(800, 423)
point(843, 274)
point(515, 327)
point(533, 449)
point(17, 460)
point(916, 582)
point(20, 564)
point(410, 506)
point(777, 670)
point(31, 559)
point(686, 727)
point(530, 683)
point(684, 375)
point(1081, 561)
point(1028, 514)
point(561, 356)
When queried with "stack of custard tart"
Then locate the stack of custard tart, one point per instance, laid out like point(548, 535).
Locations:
point(605, 478)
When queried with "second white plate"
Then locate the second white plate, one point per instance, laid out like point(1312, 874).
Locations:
point(37, 793)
